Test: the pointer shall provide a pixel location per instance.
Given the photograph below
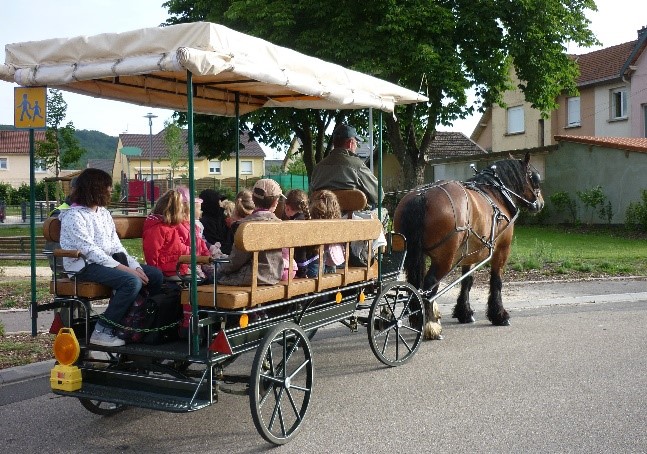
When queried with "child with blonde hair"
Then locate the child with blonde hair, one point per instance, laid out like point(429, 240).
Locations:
point(324, 205)
point(243, 207)
point(167, 233)
point(296, 208)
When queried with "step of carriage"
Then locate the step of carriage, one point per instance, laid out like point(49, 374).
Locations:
point(170, 394)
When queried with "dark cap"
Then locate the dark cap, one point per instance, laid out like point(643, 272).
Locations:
point(343, 132)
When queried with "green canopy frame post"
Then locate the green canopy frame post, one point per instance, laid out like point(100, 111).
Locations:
point(32, 231)
point(195, 341)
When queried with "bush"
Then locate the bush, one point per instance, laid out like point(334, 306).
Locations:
point(565, 204)
point(6, 193)
point(636, 215)
point(22, 193)
point(595, 200)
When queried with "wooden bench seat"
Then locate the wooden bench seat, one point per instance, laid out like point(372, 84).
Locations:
point(252, 237)
point(19, 248)
point(260, 236)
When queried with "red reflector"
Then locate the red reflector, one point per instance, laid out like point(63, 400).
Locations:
point(57, 324)
point(220, 344)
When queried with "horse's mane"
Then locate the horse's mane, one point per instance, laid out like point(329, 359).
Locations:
point(510, 172)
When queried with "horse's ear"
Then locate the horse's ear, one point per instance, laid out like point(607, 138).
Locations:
point(526, 160)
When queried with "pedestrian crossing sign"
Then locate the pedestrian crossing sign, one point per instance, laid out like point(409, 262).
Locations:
point(30, 107)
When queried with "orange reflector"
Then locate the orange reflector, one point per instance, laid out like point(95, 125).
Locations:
point(66, 347)
point(338, 297)
point(243, 321)
point(220, 344)
point(362, 296)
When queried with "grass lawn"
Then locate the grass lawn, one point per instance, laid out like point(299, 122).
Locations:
point(589, 250)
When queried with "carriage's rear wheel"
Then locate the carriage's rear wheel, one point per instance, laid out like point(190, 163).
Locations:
point(281, 383)
point(395, 324)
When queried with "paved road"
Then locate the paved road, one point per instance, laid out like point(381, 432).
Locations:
point(569, 375)
point(568, 378)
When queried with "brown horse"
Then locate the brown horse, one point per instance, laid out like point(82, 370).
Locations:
point(463, 224)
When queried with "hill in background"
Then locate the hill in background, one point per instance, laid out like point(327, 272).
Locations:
point(97, 144)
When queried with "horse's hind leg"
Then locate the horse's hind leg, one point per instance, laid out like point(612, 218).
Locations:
point(462, 310)
point(432, 327)
point(496, 313)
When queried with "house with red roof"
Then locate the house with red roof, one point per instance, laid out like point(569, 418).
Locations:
point(595, 138)
point(612, 102)
point(136, 153)
point(14, 157)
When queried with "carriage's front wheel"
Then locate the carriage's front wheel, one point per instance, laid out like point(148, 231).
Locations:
point(281, 383)
point(395, 324)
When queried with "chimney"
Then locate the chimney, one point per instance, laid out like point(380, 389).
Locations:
point(642, 31)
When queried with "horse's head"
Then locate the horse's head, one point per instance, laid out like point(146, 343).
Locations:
point(521, 180)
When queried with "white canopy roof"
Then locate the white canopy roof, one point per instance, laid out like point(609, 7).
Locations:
point(149, 67)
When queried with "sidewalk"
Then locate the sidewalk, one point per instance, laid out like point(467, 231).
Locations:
point(516, 296)
point(25, 271)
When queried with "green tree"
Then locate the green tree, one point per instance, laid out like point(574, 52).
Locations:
point(441, 48)
point(60, 147)
point(174, 141)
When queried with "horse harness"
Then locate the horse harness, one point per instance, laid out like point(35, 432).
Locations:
point(491, 180)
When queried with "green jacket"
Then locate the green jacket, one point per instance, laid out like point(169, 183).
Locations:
point(342, 169)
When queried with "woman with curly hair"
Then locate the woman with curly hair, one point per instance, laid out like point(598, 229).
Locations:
point(87, 226)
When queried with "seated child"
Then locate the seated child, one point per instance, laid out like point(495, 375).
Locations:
point(296, 208)
point(238, 271)
point(167, 235)
point(243, 207)
point(326, 206)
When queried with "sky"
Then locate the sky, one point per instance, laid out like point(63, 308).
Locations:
point(614, 23)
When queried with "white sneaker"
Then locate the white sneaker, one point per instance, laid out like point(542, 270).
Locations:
point(106, 339)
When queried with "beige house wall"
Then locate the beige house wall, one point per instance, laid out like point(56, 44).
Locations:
point(17, 171)
point(559, 117)
point(530, 137)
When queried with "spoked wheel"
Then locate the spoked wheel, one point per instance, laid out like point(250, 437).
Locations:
point(395, 323)
point(99, 407)
point(281, 383)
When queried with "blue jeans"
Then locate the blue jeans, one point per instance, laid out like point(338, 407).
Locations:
point(312, 269)
point(125, 285)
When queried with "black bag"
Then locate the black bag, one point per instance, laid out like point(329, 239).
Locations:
point(134, 319)
point(162, 311)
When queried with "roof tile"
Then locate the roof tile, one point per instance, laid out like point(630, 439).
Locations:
point(453, 144)
point(16, 142)
point(638, 144)
point(142, 141)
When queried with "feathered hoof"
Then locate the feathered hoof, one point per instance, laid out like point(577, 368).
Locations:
point(469, 319)
point(502, 323)
point(432, 331)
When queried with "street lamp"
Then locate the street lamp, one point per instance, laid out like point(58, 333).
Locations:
point(150, 117)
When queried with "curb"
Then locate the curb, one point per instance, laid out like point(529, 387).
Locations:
point(26, 372)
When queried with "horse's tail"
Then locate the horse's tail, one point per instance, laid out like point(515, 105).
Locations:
point(412, 227)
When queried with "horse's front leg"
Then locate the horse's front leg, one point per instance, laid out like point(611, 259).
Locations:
point(462, 310)
point(496, 313)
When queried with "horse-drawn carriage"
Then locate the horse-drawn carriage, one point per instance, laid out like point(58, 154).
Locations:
point(210, 69)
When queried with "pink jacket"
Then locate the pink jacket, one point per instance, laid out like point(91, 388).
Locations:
point(164, 243)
